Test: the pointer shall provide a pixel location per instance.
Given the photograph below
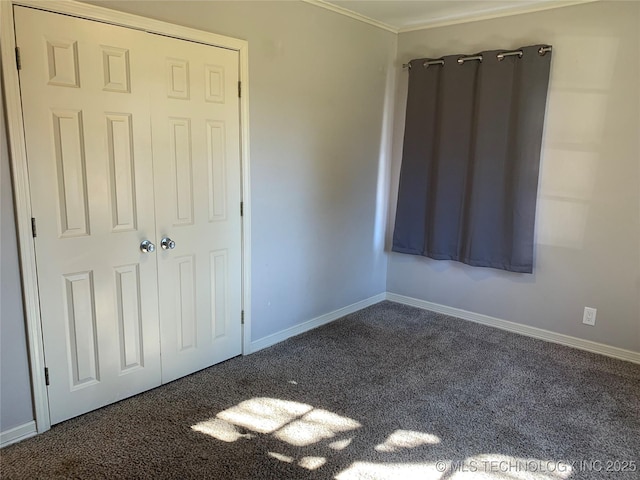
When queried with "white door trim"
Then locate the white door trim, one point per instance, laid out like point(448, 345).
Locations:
point(22, 194)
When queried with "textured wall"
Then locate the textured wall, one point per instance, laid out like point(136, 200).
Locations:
point(588, 221)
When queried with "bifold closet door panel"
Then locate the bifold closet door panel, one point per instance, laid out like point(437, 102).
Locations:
point(196, 151)
point(85, 95)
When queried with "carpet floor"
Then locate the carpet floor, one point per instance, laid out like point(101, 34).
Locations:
point(389, 392)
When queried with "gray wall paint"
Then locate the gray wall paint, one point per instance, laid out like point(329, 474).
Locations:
point(588, 223)
point(317, 87)
point(15, 389)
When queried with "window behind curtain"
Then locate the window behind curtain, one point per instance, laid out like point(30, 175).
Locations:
point(470, 163)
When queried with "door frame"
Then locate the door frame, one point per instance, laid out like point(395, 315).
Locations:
point(20, 178)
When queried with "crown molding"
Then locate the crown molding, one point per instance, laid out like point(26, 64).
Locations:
point(494, 13)
point(350, 13)
point(451, 19)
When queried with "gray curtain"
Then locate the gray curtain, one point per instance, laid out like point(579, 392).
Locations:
point(469, 176)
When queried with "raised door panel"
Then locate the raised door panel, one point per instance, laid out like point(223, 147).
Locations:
point(82, 336)
point(62, 62)
point(115, 69)
point(68, 145)
point(122, 185)
point(177, 78)
point(220, 308)
point(186, 322)
point(217, 190)
point(214, 83)
point(179, 135)
point(129, 313)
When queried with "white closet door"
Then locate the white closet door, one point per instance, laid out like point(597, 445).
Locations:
point(85, 96)
point(196, 151)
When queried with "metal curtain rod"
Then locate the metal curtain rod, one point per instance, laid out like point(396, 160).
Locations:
point(461, 60)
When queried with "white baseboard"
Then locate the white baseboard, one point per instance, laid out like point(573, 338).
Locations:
point(534, 332)
point(17, 434)
point(314, 323)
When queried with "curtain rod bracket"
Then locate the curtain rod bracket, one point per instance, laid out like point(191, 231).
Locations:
point(543, 50)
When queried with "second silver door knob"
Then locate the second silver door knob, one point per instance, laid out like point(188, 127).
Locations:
point(167, 244)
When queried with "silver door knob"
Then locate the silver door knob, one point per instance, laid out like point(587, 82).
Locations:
point(147, 247)
point(167, 244)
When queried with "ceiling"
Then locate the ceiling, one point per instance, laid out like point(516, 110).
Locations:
point(406, 15)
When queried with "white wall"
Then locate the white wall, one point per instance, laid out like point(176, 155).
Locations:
point(588, 220)
point(15, 389)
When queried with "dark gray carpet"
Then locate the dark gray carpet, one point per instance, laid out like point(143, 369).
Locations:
point(388, 392)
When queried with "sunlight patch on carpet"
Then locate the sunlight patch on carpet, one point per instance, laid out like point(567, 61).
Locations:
point(295, 423)
point(340, 444)
point(301, 425)
point(281, 457)
point(264, 415)
point(311, 463)
point(403, 439)
point(315, 426)
point(220, 429)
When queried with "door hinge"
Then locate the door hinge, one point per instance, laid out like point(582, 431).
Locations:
point(33, 227)
point(242, 317)
point(242, 209)
point(46, 376)
point(18, 60)
point(239, 89)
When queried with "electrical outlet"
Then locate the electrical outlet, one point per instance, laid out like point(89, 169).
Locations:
point(589, 317)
